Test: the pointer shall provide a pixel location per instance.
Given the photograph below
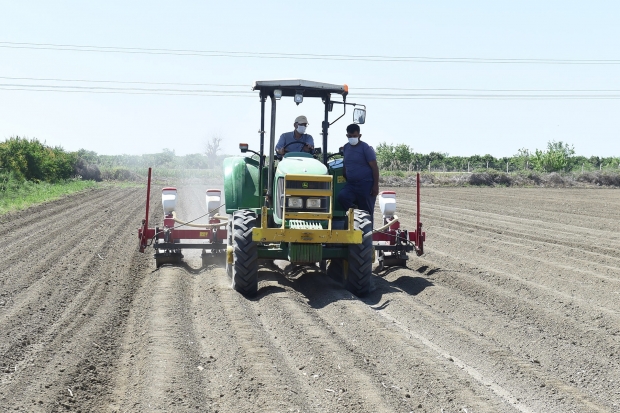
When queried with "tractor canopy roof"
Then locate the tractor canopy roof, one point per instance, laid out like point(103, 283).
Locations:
point(291, 87)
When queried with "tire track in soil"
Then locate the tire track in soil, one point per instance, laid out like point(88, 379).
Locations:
point(392, 357)
point(311, 349)
point(253, 375)
point(158, 369)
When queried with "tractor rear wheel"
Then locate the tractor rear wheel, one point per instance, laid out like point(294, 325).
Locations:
point(359, 271)
point(245, 254)
point(356, 272)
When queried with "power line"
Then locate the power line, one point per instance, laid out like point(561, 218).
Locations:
point(121, 92)
point(302, 56)
point(485, 90)
point(215, 93)
point(122, 82)
point(353, 89)
point(86, 88)
point(405, 95)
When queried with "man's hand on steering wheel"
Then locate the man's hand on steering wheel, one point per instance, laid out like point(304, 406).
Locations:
point(305, 148)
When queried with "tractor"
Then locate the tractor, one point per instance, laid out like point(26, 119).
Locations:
point(286, 207)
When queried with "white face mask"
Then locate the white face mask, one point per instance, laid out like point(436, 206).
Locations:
point(354, 141)
point(301, 129)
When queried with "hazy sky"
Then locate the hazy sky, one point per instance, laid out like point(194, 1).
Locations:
point(129, 123)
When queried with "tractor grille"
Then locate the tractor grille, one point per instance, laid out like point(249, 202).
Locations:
point(307, 185)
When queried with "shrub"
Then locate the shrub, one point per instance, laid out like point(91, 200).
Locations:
point(33, 161)
point(598, 178)
point(480, 179)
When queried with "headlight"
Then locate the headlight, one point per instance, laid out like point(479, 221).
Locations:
point(314, 203)
point(293, 202)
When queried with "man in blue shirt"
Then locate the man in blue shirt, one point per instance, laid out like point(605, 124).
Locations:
point(361, 172)
point(303, 141)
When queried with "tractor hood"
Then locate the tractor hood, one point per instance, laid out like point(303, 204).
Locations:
point(298, 163)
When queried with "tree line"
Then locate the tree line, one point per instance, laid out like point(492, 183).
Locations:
point(31, 160)
point(23, 159)
point(556, 157)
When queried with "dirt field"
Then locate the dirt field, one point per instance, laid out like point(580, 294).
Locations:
point(514, 308)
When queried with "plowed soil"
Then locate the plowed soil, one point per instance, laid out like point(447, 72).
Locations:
point(513, 308)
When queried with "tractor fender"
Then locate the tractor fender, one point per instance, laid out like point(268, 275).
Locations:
point(241, 184)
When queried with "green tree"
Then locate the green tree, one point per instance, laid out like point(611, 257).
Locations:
point(522, 159)
point(385, 154)
point(556, 158)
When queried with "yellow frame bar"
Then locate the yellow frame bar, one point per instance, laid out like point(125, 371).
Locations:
point(309, 178)
point(308, 192)
point(315, 236)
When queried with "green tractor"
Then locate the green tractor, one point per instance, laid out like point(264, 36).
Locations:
point(286, 207)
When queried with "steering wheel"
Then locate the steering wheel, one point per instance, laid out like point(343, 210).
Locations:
point(279, 156)
point(293, 143)
point(341, 153)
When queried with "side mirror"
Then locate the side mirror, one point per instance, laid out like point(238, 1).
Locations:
point(243, 147)
point(359, 115)
point(317, 151)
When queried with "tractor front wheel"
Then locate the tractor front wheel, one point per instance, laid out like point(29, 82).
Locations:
point(245, 254)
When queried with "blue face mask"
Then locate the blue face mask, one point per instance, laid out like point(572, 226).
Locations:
point(301, 129)
point(354, 141)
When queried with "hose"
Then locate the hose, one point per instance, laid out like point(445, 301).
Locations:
point(183, 223)
point(380, 229)
point(389, 224)
point(194, 225)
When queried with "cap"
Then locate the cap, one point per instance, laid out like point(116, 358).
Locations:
point(301, 119)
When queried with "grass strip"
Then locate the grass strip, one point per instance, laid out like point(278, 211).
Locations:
point(26, 194)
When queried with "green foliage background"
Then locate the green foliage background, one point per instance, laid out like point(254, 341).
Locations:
point(31, 160)
point(557, 157)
